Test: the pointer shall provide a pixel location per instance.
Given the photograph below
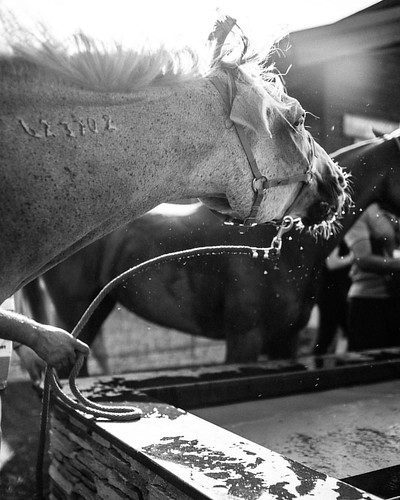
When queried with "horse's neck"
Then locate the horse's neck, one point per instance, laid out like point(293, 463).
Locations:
point(78, 164)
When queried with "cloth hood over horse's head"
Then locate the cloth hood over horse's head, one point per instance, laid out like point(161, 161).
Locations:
point(258, 106)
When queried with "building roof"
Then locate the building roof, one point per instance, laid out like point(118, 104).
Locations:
point(372, 29)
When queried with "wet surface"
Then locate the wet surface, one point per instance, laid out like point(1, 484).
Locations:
point(237, 477)
point(341, 432)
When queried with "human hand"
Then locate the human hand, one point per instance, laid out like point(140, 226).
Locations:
point(56, 347)
point(31, 362)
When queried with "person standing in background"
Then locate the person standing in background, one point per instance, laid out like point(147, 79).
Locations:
point(333, 288)
point(374, 312)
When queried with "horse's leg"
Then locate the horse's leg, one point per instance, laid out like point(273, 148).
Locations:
point(33, 302)
point(281, 344)
point(327, 328)
point(242, 313)
point(244, 347)
point(98, 350)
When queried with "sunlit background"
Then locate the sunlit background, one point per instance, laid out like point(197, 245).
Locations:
point(176, 22)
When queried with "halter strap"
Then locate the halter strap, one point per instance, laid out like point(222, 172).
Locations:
point(260, 182)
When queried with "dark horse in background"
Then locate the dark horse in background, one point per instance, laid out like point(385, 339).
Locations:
point(257, 305)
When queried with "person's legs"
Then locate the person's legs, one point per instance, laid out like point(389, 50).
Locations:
point(367, 325)
point(392, 315)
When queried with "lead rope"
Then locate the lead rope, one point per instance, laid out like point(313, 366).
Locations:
point(127, 413)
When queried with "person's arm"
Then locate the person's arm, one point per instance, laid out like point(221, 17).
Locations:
point(55, 346)
point(367, 261)
point(335, 262)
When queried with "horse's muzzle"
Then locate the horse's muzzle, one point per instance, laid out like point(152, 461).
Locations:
point(320, 212)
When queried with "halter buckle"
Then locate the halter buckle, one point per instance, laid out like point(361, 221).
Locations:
point(258, 183)
point(309, 176)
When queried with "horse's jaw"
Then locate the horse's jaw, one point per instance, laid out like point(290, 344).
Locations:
point(220, 204)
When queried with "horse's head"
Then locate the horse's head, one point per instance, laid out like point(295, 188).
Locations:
point(320, 195)
point(294, 174)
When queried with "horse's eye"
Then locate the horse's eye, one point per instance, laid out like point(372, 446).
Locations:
point(300, 121)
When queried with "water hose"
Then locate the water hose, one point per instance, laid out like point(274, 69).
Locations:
point(128, 413)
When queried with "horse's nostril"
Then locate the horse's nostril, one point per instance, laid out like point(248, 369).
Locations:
point(325, 207)
point(327, 211)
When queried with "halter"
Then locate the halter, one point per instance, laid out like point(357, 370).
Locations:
point(260, 183)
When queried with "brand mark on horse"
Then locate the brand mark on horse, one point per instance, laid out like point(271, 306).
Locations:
point(69, 129)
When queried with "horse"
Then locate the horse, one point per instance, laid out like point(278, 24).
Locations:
point(257, 305)
point(90, 139)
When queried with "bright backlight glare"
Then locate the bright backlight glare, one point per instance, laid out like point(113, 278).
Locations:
point(175, 22)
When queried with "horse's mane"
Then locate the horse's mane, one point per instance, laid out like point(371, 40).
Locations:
point(112, 69)
point(94, 66)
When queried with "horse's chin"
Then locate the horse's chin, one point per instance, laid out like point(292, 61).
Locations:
point(323, 230)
